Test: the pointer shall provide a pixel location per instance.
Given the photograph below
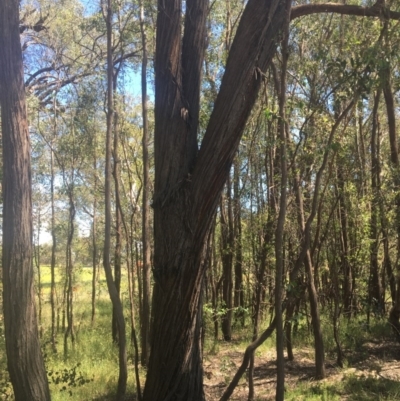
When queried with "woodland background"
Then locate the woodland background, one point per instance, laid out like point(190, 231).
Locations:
point(341, 228)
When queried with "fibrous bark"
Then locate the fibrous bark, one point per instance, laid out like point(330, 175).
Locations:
point(24, 358)
point(188, 186)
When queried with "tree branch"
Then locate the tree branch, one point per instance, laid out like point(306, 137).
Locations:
point(251, 52)
point(344, 9)
point(126, 56)
point(193, 48)
point(37, 26)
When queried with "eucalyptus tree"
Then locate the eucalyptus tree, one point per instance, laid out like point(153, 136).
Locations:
point(24, 357)
point(188, 182)
point(62, 53)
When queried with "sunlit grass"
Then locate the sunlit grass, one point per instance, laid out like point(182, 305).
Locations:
point(351, 388)
point(90, 369)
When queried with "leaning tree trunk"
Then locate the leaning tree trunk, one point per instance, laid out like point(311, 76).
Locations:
point(188, 183)
point(24, 358)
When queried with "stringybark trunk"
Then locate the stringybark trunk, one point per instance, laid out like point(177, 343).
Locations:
point(24, 357)
point(188, 182)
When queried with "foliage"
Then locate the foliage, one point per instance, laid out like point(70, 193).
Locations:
point(67, 379)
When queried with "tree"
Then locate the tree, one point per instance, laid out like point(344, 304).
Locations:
point(145, 316)
point(25, 362)
point(188, 182)
point(112, 288)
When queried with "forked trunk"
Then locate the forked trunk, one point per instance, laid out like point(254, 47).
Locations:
point(188, 181)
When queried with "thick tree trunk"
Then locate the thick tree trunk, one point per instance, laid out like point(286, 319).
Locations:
point(188, 186)
point(177, 304)
point(24, 358)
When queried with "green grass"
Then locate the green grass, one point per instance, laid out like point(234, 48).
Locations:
point(308, 392)
point(351, 388)
point(90, 371)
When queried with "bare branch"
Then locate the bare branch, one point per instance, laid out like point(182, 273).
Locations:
point(344, 9)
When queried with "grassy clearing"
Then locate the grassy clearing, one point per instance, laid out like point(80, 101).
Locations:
point(90, 370)
point(350, 388)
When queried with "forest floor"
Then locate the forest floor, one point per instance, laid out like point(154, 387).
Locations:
point(90, 372)
point(372, 373)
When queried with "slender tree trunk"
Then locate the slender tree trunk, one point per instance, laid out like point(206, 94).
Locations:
point(375, 287)
point(129, 266)
point(117, 305)
point(118, 236)
point(215, 284)
point(39, 272)
point(279, 233)
point(70, 331)
point(334, 273)
point(387, 261)
point(53, 241)
point(394, 316)
point(312, 292)
point(290, 309)
point(145, 315)
point(133, 324)
point(94, 241)
point(316, 321)
point(24, 357)
point(345, 251)
point(227, 250)
point(238, 299)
